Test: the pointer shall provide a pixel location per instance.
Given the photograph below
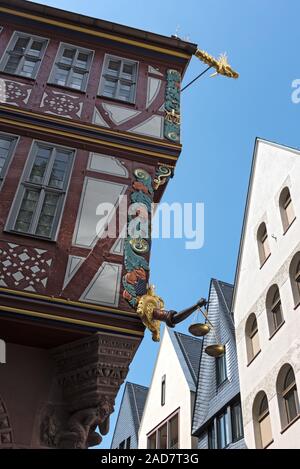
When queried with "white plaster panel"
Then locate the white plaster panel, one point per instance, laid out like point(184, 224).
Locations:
point(95, 192)
point(118, 247)
point(154, 71)
point(104, 289)
point(107, 164)
point(120, 114)
point(98, 119)
point(153, 127)
point(74, 262)
point(153, 88)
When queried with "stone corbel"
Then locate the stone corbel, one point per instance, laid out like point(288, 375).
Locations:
point(90, 372)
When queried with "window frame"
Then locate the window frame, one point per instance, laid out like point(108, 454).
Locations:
point(9, 51)
point(264, 250)
point(104, 73)
point(250, 333)
point(221, 378)
point(71, 68)
point(262, 416)
point(158, 428)
point(163, 391)
point(235, 435)
point(285, 200)
point(276, 303)
point(289, 390)
point(25, 184)
point(11, 153)
point(223, 423)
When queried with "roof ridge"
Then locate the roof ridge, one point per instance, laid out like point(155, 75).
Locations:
point(137, 385)
point(135, 403)
point(196, 339)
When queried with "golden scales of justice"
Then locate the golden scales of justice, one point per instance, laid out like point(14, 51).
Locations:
point(150, 308)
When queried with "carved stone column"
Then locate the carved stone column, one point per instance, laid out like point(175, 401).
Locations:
point(91, 372)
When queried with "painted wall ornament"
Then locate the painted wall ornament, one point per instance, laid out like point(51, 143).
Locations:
point(136, 265)
point(172, 106)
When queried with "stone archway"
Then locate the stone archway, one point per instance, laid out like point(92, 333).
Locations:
point(6, 440)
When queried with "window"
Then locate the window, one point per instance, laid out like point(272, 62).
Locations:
point(173, 429)
point(211, 436)
point(151, 441)
point(40, 197)
point(71, 67)
point(252, 337)
point(118, 79)
point(295, 278)
point(236, 422)
point(7, 146)
point(274, 309)
point(166, 436)
point(128, 442)
point(262, 421)
point(226, 427)
point(263, 243)
point(287, 395)
point(23, 55)
point(286, 208)
point(221, 369)
point(163, 390)
point(222, 431)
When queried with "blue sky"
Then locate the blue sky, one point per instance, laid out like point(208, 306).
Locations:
point(221, 119)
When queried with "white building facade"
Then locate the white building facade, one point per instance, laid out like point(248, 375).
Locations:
point(266, 301)
point(167, 417)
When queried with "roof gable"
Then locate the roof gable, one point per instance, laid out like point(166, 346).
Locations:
point(130, 414)
point(260, 145)
point(188, 350)
point(210, 399)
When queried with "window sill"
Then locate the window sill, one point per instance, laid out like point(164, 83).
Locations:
point(297, 305)
point(275, 332)
point(288, 227)
point(263, 263)
point(116, 100)
point(219, 385)
point(32, 236)
point(253, 358)
point(290, 424)
point(269, 444)
point(66, 88)
point(16, 75)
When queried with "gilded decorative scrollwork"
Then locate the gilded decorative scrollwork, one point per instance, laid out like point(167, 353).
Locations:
point(162, 175)
point(147, 304)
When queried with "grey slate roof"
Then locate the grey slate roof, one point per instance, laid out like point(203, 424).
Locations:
point(189, 351)
point(130, 414)
point(209, 398)
point(138, 396)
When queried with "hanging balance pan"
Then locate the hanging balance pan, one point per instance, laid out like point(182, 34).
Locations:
point(199, 329)
point(215, 350)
